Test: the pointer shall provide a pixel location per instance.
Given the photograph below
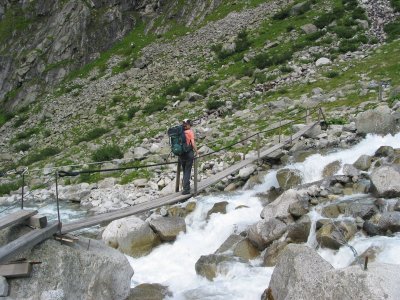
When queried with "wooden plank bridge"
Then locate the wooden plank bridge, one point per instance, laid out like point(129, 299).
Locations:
point(38, 235)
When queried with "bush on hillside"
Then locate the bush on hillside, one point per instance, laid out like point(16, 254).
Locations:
point(158, 104)
point(348, 46)
point(92, 134)
point(132, 111)
point(242, 43)
point(21, 120)
point(315, 35)
point(202, 87)
point(175, 88)
point(42, 154)
point(26, 134)
point(22, 147)
point(396, 5)
point(107, 153)
point(6, 188)
point(344, 32)
point(264, 60)
point(393, 30)
point(359, 13)
point(213, 104)
point(283, 14)
point(331, 74)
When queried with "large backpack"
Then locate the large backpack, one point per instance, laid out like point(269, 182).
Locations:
point(177, 140)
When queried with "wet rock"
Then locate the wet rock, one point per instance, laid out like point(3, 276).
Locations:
point(397, 206)
point(332, 168)
point(3, 287)
point(333, 235)
point(390, 221)
point(207, 265)
point(263, 233)
point(363, 162)
point(219, 207)
point(362, 210)
point(331, 211)
point(131, 236)
point(372, 252)
point(385, 181)
point(149, 291)
point(297, 268)
point(350, 170)
point(280, 207)
point(245, 172)
point(299, 208)
point(168, 228)
point(384, 151)
point(273, 252)
point(245, 250)
point(177, 211)
point(372, 229)
point(229, 243)
point(288, 178)
point(298, 232)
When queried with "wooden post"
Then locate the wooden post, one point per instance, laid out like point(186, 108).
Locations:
point(380, 93)
point(58, 204)
point(196, 162)
point(22, 193)
point(178, 177)
point(258, 146)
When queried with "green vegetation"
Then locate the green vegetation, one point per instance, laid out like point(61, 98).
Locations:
point(395, 5)
point(14, 20)
point(393, 30)
point(107, 153)
point(132, 111)
point(158, 104)
point(6, 188)
point(92, 134)
point(22, 147)
point(4, 117)
point(176, 88)
point(41, 155)
point(241, 44)
point(213, 104)
point(21, 120)
point(27, 134)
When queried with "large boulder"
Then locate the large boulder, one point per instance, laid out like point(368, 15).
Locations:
point(298, 232)
point(273, 252)
point(288, 178)
point(280, 207)
point(379, 120)
point(386, 181)
point(298, 267)
point(331, 168)
point(245, 250)
point(302, 274)
point(131, 236)
point(363, 162)
point(168, 228)
point(219, 207)
point(87, 269)
point(263, 233)
point(390, 221)
point(208, 265)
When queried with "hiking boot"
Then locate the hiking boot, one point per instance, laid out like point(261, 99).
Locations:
point(186, 193)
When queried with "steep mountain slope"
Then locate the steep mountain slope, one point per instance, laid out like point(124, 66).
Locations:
point(269, 57)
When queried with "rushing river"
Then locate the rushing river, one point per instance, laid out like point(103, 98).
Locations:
point(173, 265)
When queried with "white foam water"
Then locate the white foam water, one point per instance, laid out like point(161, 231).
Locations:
point(173, 264)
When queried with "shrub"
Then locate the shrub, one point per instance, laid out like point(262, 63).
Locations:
point(22, 147)
point(260, 77)
point(116, 99)
point(175, 88)
point(286, 69)
point(336, 121)
point(344, 32)
point(214, 104)
point(315, 35)
point(158, 104)
point(392, 30)
point(350, 4)
point(26, 134)
point(42, 154)
point(331, 74)
point(324, 20)
point(290, 28)
point(283, 14)
point(6, 188)
point(348, 46)
point(359, 13)
point(21, 120)
point(395, 5)
point(106, 153)
point(242, 41)
point(246, 71)
point(202, 87)
point(92, 134)
point(4, 117)
point(132, 111)
point(362, 38)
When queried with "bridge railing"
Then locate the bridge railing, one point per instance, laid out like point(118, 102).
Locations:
point(280, 125)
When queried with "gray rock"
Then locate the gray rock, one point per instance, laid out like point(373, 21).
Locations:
point(309, 28)
point(362, 210)
point(385, 181)
point(384, 151)
point(53, 295)
point(323, 61)
point(219, 207)
point(363, 162)
point(140, 153)
point(299, 208)
point(168, 228)
point(334, 234)
point(245, 250)
point(81, 269)
point(297, 268)
point(288, 178)
point(229, 243)
point(331, 168)
point(4, 288)
point(378, 120)
point(350, 170)
point(207, 265)
point(264, 232)
point(245, 172)
point(280, 207)
point(273, 252)
point(131, 236)
point(390, 221)
point(149, 291)
point(298, 232)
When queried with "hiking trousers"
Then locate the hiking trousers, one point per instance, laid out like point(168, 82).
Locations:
point(186, 161)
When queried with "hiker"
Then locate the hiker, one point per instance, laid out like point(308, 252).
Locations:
point(187, 157)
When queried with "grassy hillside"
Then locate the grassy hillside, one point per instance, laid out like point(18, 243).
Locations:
point(266, 56)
